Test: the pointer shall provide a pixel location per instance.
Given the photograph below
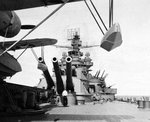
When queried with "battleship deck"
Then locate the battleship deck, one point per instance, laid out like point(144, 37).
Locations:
point(106, 112)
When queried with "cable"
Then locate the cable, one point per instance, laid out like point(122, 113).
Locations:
point(5, 36)
point(98, 15)
point(22, 53)
point(35, 27)
point(94, 17)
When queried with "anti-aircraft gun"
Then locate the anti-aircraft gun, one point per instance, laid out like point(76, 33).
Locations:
point(101, 80)
point(98, 86)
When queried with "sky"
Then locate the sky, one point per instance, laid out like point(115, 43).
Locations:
point(128, 66)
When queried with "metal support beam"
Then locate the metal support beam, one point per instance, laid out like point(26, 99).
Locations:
point(110, 13)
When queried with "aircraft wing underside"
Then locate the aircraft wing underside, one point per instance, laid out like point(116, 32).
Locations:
point(23, 4)
point(29, 43)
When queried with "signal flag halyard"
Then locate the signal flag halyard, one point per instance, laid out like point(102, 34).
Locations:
point(112, 38)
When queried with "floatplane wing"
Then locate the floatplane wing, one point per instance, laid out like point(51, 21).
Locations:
point(29, 43)
point(69, 47)
point(89, 46)
point(60, 46)
point(23, 4)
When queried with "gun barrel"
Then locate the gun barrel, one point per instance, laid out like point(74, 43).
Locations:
point(69, 82)
point(46, 73)
point(59, 81)
point(102, 74)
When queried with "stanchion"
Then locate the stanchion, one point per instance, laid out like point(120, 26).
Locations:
point(72, 98)
point(146, 104)
point(80, 100)
point(140, 103)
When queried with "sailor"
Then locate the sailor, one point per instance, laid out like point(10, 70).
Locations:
point(64, 96)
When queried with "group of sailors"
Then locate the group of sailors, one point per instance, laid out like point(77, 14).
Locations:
point(53, 98)
point(97, 98)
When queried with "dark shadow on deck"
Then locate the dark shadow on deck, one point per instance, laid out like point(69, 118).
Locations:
point(59, 117)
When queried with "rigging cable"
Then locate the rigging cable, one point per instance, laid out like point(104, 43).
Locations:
point(98, 15)
point(94, 17)
point(5, 37)
point(22, 53)
point(36, 26)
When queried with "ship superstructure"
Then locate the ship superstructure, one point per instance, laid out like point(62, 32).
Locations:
point(85, 85)
point(72, 72)
point(80, 67)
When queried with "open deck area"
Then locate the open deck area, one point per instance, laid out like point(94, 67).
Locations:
point(106, 112)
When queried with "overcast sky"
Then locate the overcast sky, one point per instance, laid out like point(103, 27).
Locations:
point(128, 66)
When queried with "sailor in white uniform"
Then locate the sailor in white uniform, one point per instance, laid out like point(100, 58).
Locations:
point(64, 96)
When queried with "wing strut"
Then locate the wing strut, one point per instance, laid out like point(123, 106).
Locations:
point(36, 57)
point(35, 27)
point(42, 52)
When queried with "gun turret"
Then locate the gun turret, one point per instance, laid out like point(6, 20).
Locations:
point(69, 82)
point(42, 66)
point(59, 81)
